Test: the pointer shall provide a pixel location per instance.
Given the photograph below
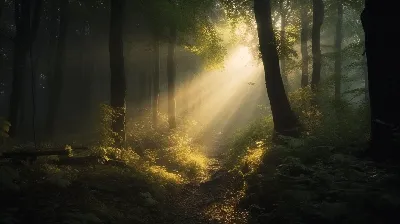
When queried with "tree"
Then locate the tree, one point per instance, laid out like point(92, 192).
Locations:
point(285, 121)
point(338, 50)
point(27, 19)
point(118, 79)
point(55, 79)
point(378, 22)
point(171, 74)
point(318, 18)
point(1, 7)
point(156, 77)
point(304, 40)
point(283, 11)
point(153, 10)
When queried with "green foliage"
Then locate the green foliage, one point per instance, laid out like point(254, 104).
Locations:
point(175, 150)
point(107, 116)
point(309, 114)
point(317, 178)
point(196, 32)
point(206, 43)
point(256, 136)
point(4, 127)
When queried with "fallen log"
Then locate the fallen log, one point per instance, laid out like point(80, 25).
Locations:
point(32, 154)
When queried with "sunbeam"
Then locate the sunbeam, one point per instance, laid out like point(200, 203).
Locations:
point(226, 99)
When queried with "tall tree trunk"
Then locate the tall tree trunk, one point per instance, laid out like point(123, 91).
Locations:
point(338, 51)
point(378, 21)
point(2, 2)
point(285, 121)
point(318, 18)
point(304, 48)
point(56, 79)
point(171, 73)
point(156, 79)
point(149, 90)
point(1, 7)
point(118, 79)
point(186, 95)
point(143, 90)
point(365, 73)
point(283, 13)
point(27, 25)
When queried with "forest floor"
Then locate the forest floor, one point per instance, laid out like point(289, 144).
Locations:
point(82, 189)
point(170, 179)
point(320, 185)
point(104, 194)
point(215, 200)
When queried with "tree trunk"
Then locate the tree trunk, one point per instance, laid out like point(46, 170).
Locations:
point(149, 91)
point(87, 77)
point(2, 75)
point(318, 18)
point(118, 79)
point(285, 121)
point(365, 73)
point(56, 79)
point(338, 51)
point(304, 48)
point(156, 79)
point(27, 24)
point(283, 43)
point(378, 21)
point(186, 95)
point(143, 90)
point(1, 7)
point(171, 73)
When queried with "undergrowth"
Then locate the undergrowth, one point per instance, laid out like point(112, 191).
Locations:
point(106, 184)
point(318, 178)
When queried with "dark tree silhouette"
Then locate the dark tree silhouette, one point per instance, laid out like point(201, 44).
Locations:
point(118, 79)
point(304, 40)
point(156, 78)
point(379, 22)
point(27, 18)
point(1, 7)
point(285, 121)
point(55, 80)
point(318, 18)
point(171, 73)
point(338, 51)
point(283, 11)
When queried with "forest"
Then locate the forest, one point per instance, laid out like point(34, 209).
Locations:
point(199, 111)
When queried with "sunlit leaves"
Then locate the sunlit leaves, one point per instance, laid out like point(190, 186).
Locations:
point(206, 43)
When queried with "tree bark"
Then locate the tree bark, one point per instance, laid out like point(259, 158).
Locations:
point(156, 79)
point(285, 121)
point(118, 79)
point(1, 7)
point(283, 12)
point(171, 73)
point(2, 2)
point(378, 21)
point(338, 51)
point(56, 79)
point(304, 48)
point(318, 18)
point(27, 25)
point(365, 73)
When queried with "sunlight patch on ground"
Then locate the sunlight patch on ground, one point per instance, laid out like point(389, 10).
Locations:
point(228, 211)
point(253, 157)
point(163, 173)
